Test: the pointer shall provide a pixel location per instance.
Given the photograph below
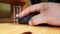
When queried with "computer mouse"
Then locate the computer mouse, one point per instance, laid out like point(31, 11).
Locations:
point(25, 19)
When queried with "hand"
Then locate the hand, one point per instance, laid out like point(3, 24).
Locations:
point(49, 13)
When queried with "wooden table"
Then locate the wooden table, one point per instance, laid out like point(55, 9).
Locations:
point(8, 28)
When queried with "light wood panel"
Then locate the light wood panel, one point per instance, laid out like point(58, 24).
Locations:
point(7, 28)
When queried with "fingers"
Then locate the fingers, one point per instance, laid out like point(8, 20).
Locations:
point(30, 9)
point(38, 19)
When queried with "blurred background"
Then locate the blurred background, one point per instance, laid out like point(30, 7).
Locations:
point(7, 8)
point(4, 10)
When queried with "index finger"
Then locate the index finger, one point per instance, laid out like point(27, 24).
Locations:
point(30, 9)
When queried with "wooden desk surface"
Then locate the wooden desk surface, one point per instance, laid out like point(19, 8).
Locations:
point(7, 28)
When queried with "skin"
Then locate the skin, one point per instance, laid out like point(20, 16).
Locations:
point(49, 13)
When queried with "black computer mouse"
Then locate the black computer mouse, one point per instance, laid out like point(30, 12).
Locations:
point(25, 20)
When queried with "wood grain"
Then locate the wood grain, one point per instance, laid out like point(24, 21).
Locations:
point(7, 28)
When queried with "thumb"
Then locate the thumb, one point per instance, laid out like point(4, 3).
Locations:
point(38, 19)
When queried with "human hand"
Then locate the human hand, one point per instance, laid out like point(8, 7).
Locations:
point(49, 13)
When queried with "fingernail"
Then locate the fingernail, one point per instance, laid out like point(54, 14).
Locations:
point(30, 23)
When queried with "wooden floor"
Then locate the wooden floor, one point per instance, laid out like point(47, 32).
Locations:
point(7, 28)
